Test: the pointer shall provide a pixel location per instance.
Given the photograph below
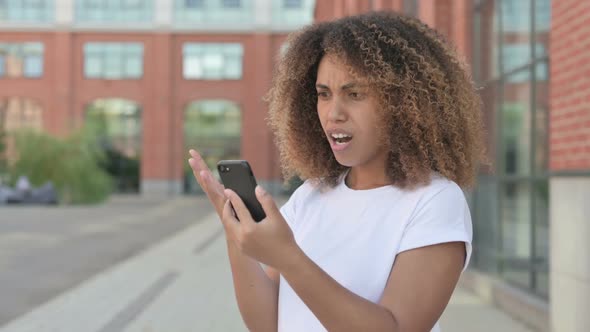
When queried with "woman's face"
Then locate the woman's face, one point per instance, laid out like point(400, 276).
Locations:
point(348, 112)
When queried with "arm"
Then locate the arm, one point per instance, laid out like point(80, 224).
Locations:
point(256, 291)
point(418, 289)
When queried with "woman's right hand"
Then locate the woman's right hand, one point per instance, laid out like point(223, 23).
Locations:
point(210, 185)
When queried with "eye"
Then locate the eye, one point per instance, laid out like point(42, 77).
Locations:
point(322, 94)
point(355, 95)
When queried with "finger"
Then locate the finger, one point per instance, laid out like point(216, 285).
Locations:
point(229, 217)
point(196, 171)
point(268, 204)
point(242, 211)
point(213, 186)
point(201, 171)
point(229, 221)
point(198, 164)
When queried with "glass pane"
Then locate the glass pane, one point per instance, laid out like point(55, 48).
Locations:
point(133, 67)
point(33, 66)
point(514, 56)
point(516, 127)
point(193, 3)
point(516, 16)
point(541, 164)
point(516, 27)
point(114, 10)
point(191, 68)
point(2, 66)
point(489, 96)
point(92, 67)
point(486, 231)
point(212, 61)
point(542, 26)
point(292, 3)
point(113, 64)
point(231, 3)
point(516, 233)
point(489, 36)
point(233, 68)
point(541, 262)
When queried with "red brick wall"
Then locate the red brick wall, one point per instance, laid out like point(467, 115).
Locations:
point(570, 85)
point(63, 93)
point(330, 9)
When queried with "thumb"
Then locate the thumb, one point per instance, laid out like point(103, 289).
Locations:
point(268, 204)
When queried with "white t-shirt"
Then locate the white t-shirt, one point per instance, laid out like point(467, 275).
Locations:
point(354, 236)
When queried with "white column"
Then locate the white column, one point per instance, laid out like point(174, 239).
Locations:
point(570, 263)
point(263, 14)
point(64, 12)
point(163, 12)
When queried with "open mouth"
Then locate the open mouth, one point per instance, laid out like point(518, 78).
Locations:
point(340, 139)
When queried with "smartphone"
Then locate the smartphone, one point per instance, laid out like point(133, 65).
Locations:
point(237, 176)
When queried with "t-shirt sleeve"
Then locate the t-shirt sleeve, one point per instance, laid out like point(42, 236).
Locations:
point(288, 211)
point(439, 218)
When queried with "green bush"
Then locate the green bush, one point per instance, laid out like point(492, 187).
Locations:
point(71, 163)
point(3, 164)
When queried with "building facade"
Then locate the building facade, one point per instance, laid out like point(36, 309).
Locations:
point(531, 61)
point(160, 75)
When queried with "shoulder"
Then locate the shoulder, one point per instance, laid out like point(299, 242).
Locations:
point(440, 189)
point(441, 195)
point(305, 190)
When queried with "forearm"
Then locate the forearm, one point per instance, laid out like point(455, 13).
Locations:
point(337, 308)
point(256, 293)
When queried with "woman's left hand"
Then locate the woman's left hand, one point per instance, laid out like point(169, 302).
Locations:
point(269, 241)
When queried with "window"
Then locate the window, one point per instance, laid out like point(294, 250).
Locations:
point(26, 10)
point(231, 3)
point(21, 60)
point(113, 60)
point(92, 11)
point(193, 3)
point(511, 202)
point(211, 61)
point(292, 14)
point(292, 4)
point(221, 13)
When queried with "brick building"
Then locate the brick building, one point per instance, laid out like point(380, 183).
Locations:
point(161, 69)
point(154, 70)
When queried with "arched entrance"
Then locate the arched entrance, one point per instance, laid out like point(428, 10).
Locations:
point(118, 125)
point(213, 127)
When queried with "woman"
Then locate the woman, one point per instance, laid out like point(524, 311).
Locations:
point(380, 117)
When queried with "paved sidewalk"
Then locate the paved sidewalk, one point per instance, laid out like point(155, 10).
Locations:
point(184, 284)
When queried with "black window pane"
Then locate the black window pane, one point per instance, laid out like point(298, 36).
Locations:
point(292, 3)
point(515, 262)
point(541, 229)
point(515, 124)
point(231, 3)
point(193, 3)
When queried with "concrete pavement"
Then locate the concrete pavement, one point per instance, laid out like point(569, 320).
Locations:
point(184, 284)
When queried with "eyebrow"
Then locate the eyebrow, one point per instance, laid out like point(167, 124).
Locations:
point(346, 86)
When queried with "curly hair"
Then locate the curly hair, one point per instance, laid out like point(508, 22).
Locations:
point(429, 104)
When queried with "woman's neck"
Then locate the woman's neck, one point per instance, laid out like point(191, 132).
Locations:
point(362, 178)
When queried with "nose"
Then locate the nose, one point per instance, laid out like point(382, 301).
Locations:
point(337, 112)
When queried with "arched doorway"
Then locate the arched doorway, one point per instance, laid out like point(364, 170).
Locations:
point(117, 123)
point(213, 127)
